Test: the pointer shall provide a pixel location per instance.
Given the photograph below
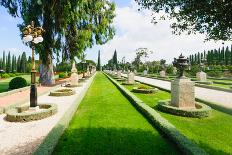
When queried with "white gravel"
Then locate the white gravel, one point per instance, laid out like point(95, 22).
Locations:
point(24, 138)
point(216, 96)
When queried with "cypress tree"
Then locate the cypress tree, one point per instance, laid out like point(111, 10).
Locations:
point(1, 63)
point(231, 55)
point(4, 61)
point(23, 63)
point(99, 61)
point(227, 56)
point(19, 64)
point(115, 60)
point(223, 55)
point(8, 64)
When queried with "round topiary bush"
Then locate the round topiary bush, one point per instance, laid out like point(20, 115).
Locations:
point(17, 82)
point(62, 75)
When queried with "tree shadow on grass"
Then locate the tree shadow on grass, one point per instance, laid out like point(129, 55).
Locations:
point(112, 141)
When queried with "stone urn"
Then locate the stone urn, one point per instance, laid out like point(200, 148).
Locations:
point(201, 76)
point(162, 73)
point(131, 78)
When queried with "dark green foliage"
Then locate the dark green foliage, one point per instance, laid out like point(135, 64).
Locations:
point(8, 63)
point(212, 18)
point(5, 75)
point(115, 60)
point(17, 82)
point(99, 61)
point(215, 73)
point(62, 75)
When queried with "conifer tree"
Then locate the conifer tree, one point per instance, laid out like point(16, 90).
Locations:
point(8, 64)
point(99, 61)
point(4, 61)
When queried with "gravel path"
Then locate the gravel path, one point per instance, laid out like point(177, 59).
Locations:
point(216, 96)
point(24, 138)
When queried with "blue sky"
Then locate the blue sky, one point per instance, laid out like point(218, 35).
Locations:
point(133, 30)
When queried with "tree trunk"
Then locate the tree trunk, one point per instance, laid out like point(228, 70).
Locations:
point(46, 73)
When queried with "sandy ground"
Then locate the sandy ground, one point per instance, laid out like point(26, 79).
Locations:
point(24, 138)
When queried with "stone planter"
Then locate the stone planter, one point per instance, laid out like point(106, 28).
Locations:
point(24, 114)
point(200, 110)
point(62, 92)
point(144, 91)
point(72, 86)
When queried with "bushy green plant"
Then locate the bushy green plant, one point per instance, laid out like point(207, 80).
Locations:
point(17, 82)
point(215, 73)
point(5, 75)
point(62, 75)
point(12, 75)
point(143, 86)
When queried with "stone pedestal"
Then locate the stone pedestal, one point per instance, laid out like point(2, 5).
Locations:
point(119, 74)
point(74, 76)
point(162, 74)
point(182, 93)
point(201, 76)
point(145, 72)
point(131, 78)
point(174, 71)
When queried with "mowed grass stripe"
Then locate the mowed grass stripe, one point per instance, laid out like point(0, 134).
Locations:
point(213, 134)
point(107, 123)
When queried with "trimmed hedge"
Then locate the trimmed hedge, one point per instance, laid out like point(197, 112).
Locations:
point(4, 76)
point(200, 111)
point(204, 82)
point(17, 82)
point(224, 83)
point(144, 91)
point(184, 144)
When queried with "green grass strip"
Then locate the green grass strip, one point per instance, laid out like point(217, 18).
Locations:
point(106, 123)
point(213, 133)
point(184, 144)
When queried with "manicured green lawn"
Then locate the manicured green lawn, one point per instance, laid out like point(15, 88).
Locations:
point(214, 134)
point(107, 123)
point(4, 84)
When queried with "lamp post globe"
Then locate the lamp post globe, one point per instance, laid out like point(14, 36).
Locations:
point(34, 35)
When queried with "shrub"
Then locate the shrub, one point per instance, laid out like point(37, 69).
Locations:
point(143, 86)
point(62, 75)
point(214, 73)
point(5, 75)
point(12, 75)
point(17, 82)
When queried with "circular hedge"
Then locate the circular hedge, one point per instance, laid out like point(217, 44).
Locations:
point(144, 91)
point(17, 82)
point(200, 111)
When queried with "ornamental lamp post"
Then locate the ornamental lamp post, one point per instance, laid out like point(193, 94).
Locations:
point(34, 35)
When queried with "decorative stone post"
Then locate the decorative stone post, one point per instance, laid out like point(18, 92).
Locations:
point(119, 74)
point(201, 76)
point(174, 71)
point(131, 78)
point(162, 73)
point(74, 76)
point(145, 72)
point(182, 88)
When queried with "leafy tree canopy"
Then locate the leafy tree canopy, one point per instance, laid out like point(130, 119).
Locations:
point(210, 17)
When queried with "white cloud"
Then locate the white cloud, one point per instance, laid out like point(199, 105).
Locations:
point(134, 30)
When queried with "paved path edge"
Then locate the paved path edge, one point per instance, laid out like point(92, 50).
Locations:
point(50, 141)
point(184, 144)
point(213, 105)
